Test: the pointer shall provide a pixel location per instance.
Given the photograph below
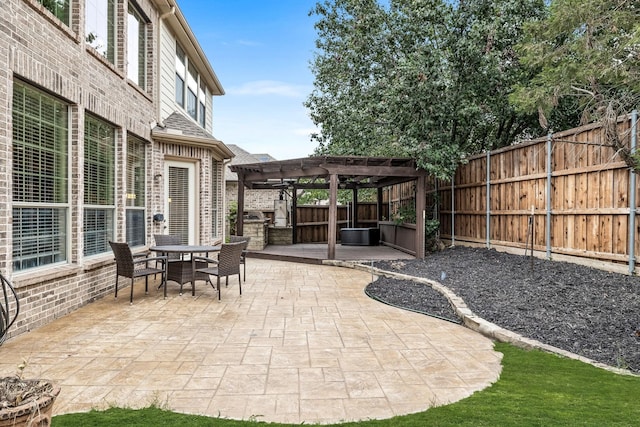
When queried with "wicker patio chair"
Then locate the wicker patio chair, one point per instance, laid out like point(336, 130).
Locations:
point(128, 265)
point(168, 240)
point(243, 258)
point(227, 264)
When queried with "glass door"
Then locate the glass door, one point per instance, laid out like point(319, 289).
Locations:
point(181, 200)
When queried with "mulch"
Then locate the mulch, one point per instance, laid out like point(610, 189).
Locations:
point(589, 312)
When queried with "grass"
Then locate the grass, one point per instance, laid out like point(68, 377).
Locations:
point(534, 389)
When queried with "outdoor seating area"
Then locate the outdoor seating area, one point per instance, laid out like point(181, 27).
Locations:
point(180, 263)
point(302, 344)
point(182, 267)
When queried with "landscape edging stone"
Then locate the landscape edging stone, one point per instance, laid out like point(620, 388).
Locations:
point(477, 323)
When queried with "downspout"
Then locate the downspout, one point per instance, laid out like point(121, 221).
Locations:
point(171, 11)
point(632, 196)
point(158, 103)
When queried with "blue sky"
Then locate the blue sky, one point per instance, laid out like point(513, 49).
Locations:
point(260, 50)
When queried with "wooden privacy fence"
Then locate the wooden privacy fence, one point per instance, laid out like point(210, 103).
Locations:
point(579, 193)
point(312, 221)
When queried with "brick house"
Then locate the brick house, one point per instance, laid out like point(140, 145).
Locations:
point(105, 124)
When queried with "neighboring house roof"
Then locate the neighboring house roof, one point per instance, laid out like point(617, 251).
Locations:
point(243, 157)
point(265, 157)
point(179, 129)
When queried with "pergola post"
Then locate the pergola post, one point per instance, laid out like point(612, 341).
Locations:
point(333, 215)
point(354, 209)
point(421, 205)
point(294, 216)
point(240, 215)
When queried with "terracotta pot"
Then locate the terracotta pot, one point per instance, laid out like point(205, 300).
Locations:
point(32, 414)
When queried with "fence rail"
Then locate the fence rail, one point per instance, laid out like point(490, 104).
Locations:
point(312, 224)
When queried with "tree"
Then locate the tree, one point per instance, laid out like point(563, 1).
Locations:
point(587, 53)
point(427, 79)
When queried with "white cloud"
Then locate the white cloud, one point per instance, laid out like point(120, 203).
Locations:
point(269, 87)
point(248, 43)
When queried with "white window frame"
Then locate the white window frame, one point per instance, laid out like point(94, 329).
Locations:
point(137, 36)
point(192, 196)
point(37, 244)
point(100, 33)
point(108, 207)
point(193, 84)
point(136, 200)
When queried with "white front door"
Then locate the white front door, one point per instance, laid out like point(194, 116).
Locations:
point(180, 188)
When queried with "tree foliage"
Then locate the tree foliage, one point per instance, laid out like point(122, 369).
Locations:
point(585, 53)
point(427, 79)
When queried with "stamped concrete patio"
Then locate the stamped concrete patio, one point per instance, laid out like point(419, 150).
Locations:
point(303, 343)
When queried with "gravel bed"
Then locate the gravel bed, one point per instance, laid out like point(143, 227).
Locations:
point(584, 310)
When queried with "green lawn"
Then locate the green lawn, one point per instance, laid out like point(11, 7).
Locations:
point(535, 389)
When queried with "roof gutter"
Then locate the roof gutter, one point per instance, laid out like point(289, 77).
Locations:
point(217, 146)
point(171, 11)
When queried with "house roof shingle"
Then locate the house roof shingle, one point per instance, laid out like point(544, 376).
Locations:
point(177, 128)
point(243, 157)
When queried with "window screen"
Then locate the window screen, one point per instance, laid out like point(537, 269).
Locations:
point(181, 75)
point(202, 99)
point(60, 8)
point(136, 176)
point(100, 27)
point(136, 47)
point(192, 90)
point(40, 178)
point(98, 230)
point(99, 184)
point(216, 199)
point(179, 91)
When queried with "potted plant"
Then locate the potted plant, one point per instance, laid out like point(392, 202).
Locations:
point(26, 402)
point(22, 402)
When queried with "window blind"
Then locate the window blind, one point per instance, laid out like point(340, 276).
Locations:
point(40, 178)
point(179, 202)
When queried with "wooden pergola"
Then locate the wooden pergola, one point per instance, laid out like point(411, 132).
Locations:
point(333, 173)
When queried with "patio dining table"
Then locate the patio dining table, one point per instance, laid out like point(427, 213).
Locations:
point(183, 270)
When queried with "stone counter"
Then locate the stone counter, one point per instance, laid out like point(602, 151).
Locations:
point(257, 230)
point(280, 235)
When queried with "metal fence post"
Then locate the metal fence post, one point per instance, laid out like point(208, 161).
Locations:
point(453, 210)
point(488, 227)
point(632, 196)
point(548, 225)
